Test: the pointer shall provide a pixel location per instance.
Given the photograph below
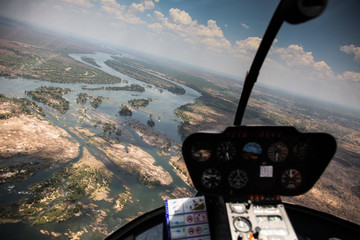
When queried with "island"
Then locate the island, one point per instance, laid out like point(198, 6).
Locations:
point(90, 60)
point(120, 65)
point(140, 103)
point(51, 96)
point(125, 111)
point(132, 87)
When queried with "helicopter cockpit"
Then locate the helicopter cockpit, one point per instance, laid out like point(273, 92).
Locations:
point(243, 171)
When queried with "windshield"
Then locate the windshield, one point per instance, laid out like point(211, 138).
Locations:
point(96, 98)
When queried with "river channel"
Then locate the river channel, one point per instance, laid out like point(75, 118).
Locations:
point(144, 198)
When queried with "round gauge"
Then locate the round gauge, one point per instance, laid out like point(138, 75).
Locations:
point(252, 150)
point(238, 178)
point(238, 207)
point(201, 153)
point(291, 179)
point(211, 178)
point(242, 224)
point(301, 150)
point(226, 151)
point(278, 152)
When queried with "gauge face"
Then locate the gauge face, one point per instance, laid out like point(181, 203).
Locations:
point(291, 179)
point(252, 150)
point(211, 178)
point(201, 152)
point(226, 151)
point(242, 224)
point(278, 152)
point(238, 178)
point(238, 207)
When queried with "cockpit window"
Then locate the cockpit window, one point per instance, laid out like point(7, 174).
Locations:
point(97, 97)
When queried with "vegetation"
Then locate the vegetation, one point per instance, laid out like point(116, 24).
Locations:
point(90, 60)
point(95, 103)
point(123, 199)
point(110, 128)
point(185, 77)
point(120, 65)
point(132, 87)
point(56, 199)
point(150, 122)
point(54, 67)
point(19, 172)
point(125, 111)
point(92, 89)
point(52, 96)
point(139, 103)
point(15, 106)
point(82, 98)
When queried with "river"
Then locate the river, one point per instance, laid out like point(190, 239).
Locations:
point(144, 198)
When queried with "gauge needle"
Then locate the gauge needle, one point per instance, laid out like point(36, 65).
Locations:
point(277, 157)
point(227, 156)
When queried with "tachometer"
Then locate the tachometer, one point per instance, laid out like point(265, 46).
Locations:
point(291, 179)
point(226, 151)
point(238, 178)
point(211, 178)
point(278, 152)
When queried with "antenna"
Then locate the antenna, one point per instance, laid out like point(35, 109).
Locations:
point(292, 11)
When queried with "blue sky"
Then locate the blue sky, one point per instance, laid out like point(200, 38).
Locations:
point(221, 35)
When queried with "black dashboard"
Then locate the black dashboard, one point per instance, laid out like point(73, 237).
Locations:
point(257, 160)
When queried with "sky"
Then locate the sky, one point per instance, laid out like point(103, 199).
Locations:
point(319, 58)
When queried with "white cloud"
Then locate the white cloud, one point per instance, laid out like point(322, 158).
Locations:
point(136, 7)
point(294, 55)
point(301, 61)
point(182, 25)
point(84, 3)
point(350, 76)
point(244, 25)
point(243, 48)
point(180, 17)
point(155, 26)
point(159, 15)
point(351, 49)
point(148, 4)
point(127, 14)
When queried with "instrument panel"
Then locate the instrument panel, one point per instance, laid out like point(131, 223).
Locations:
point(257, 160)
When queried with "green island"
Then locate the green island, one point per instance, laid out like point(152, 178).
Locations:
point(52, 96)
point(109, 128)
point(95, 103)
point(82, 98)
point(120, 65)
point(132, 87)
point(139, 103)
point(125, 111)
point(90, 60)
